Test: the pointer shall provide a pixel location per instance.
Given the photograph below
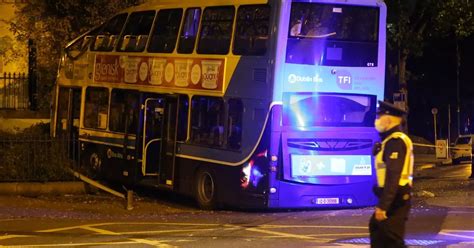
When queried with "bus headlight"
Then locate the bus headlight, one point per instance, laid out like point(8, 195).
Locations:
point(245, 175)
point(254, 171)
point(250, 175)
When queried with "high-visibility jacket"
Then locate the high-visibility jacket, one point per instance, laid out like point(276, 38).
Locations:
point(406, 176)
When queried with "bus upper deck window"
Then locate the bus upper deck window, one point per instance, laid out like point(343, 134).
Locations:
point(251, 34)
point(81, 44)
point(187, 38)
point(135, 34)
point(333, 35)
point(165, 31)
point(106, 36)
point(216, 30)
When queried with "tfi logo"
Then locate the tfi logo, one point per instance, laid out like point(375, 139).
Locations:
point(344, 80)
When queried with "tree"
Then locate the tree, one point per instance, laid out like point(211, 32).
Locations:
point(6, 43)
point(407, 22)
point(51, 24)
point(455, 19)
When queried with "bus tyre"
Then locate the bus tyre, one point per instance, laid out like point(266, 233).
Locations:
point(92, 164)
point(205, 189)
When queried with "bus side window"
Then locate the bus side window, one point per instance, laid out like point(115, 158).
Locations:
point(123, 105)
point(135, 34)
point(107, 35)
point(96, 108)
point(187, 39)
point(216, 30)
point(207, 121)
point(183, 118)
point(251, 33)
point(234, 135)
point(165, 31)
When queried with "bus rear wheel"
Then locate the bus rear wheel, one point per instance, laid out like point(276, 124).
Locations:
point(205, 189)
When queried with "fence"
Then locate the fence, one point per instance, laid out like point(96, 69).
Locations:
point(14, 91)
point(35, 158)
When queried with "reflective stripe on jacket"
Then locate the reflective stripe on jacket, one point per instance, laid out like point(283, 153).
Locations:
point(406, 176)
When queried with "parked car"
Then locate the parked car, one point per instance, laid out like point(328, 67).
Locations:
point(462, 149)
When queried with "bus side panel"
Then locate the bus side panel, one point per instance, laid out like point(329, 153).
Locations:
point(109, 162)
point(229, 192)
point(229, 178)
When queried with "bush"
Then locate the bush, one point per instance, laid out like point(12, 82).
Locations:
point(32, 155)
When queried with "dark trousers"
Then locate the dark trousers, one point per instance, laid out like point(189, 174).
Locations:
point(390, 232)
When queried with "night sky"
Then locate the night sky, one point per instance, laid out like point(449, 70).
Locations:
point(434, 85)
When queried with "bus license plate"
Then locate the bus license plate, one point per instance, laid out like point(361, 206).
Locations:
point(323, 201)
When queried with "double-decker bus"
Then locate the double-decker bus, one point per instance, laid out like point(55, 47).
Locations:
point(250, 103)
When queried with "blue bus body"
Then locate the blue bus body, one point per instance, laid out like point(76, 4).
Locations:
point(317, 162)
point(306, 107)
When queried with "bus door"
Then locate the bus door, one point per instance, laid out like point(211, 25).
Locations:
point(168, 152)
point(67, 120)
point(152, 135)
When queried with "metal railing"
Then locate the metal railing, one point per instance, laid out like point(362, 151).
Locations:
point(26, 158)
point(14, 91)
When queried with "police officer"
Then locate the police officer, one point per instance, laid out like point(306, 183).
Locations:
point(394, 167)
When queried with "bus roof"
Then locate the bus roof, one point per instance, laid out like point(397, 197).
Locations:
point(158, 4)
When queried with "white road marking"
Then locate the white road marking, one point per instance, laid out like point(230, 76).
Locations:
point(155, 243)
point(14, 236)
point(200, 227)
point(311, 226)
point(456, 235)
point(281, 234)
point(461, 231)
point(72, 227)
point(170, 231)
point(339, 234)
point(74, 244)
point(99, 231)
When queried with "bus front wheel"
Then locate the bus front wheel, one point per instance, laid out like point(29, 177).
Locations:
point(205, 189)
point(92, 164)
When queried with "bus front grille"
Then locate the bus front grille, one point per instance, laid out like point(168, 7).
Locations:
point(330, 144)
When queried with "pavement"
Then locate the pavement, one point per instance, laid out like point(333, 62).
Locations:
point(34, 189)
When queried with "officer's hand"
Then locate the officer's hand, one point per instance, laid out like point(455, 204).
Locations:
point(376, 149)
point(380, 214)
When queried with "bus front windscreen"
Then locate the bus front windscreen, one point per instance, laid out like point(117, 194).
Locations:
point(328, 110)
point(333, 35)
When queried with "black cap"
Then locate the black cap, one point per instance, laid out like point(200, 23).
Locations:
point(386, 108)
